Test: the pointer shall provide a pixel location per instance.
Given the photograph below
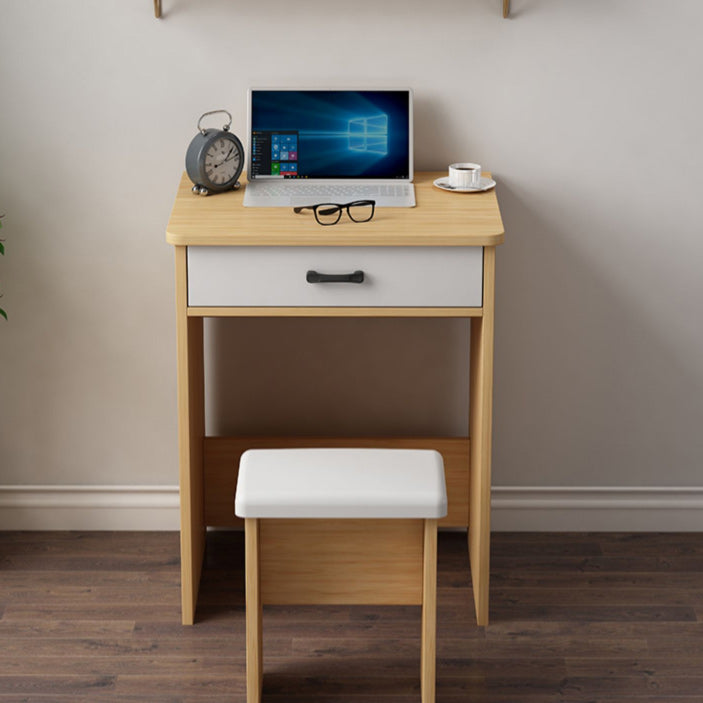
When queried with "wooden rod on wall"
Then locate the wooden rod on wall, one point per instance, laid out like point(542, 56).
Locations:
point(157, 8)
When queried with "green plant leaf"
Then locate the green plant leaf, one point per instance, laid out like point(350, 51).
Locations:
point(2, 248)
point(3, 313)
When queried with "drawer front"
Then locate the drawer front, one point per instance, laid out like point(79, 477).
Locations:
point(393, 276)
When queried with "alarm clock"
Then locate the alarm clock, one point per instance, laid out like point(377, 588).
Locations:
point(215, 158)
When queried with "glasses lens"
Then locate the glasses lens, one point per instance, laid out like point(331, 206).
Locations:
point(328, 214)
point(361, 211)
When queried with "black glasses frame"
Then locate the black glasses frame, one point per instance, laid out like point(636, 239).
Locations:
point(328, 210)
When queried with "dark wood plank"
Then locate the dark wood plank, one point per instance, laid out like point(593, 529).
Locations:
point(609, 595)
point(91, 617)
point(54, 685)
point(639, 613)
point(541, 562)
point(527, 580)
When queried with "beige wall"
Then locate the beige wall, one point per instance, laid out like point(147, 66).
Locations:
point(589, 115)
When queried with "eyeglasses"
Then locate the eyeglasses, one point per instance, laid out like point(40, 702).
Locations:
point(330, 213)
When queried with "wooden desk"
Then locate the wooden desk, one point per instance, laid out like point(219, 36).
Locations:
point(444, 228)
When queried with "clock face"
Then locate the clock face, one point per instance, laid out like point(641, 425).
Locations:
point(222, 161)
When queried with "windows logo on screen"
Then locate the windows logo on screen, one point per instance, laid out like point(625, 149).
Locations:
point(369, 134)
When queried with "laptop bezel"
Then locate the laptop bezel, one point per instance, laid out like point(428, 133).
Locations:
point(411, 155)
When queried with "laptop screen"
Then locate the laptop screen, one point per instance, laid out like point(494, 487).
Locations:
point(330, 134)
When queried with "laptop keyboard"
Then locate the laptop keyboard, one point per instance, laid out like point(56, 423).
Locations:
point(332, 192)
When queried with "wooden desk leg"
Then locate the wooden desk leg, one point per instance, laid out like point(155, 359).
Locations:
point(191, 431)
point(429, 613)
point(480, 431)
point(252, 578)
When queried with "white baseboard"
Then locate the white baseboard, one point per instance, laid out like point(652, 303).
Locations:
point(89, 508)
point(514, 508)
point(597, 509)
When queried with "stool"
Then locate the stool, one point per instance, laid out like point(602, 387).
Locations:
point(340, 526)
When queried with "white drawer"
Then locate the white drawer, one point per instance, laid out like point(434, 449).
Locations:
point(393, 276)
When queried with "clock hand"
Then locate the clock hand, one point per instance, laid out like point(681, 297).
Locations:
point(227, 158)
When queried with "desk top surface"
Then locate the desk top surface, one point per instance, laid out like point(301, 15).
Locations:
point(439, 219)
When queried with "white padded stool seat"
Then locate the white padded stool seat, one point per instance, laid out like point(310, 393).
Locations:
point(341, 483)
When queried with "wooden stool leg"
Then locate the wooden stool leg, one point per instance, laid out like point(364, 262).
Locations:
point(429, 612)
point(255, 669)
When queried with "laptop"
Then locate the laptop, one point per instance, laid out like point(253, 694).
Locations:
point(316, 146)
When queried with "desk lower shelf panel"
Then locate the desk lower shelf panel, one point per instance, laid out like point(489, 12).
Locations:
point(221, 464)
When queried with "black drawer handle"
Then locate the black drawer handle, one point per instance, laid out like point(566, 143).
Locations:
point(315, 277)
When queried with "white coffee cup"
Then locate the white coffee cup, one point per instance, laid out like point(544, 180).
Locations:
point(465, 175)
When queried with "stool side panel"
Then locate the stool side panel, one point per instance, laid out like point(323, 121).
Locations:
point(311, 561)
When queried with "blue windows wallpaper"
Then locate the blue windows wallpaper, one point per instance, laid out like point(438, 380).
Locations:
point(330, 134)
point(369, 134)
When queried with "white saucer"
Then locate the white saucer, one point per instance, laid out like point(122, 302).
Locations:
point(486, 184)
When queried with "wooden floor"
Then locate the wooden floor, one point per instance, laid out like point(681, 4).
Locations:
point(89, 617)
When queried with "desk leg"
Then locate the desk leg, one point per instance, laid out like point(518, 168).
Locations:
point(480, 429)
point(191, 431)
